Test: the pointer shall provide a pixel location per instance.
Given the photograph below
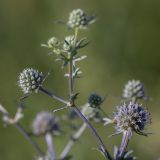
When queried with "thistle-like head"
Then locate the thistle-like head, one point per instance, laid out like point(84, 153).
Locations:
point(79, 19)
point(30, 80)
point(45, 122)
point(133, 89)
point(131, 116)
point(95, 100)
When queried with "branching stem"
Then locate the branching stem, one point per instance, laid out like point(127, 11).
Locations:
point(53, 95)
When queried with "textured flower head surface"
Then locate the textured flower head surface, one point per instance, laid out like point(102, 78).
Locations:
point(132, 116)
point(30, 80)
point(133, 89)
point(45, 122)
point(79, 19)
point(95, 100)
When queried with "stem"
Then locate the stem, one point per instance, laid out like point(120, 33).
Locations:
point(71, 88)
point(134, 99)
point(72, 141)
point(49, 142)
point(28, 137)
point(71, 79)
point(52, 95)
point(95, 133)
point(124, 144)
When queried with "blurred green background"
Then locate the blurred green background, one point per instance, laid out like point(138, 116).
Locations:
point(125, 44)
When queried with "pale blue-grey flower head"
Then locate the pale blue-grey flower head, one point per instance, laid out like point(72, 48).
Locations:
point(95, 100)
point(45, 122)
point(30, 80)
point(79, 19)
point(133, 89)
point(131, 116)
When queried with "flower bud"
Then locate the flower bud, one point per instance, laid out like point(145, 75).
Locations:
point(95, 100)
point(69, 43)
point(79, 19)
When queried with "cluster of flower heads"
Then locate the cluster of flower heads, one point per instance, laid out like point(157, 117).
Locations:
point(133, 89)
point(30, 80)
point(79, 19)
point(130, 116)
point(44, 122)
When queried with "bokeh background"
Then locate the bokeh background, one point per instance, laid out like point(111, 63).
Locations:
point(125, 44)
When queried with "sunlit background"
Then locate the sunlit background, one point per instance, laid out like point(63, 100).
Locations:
point(125, 44)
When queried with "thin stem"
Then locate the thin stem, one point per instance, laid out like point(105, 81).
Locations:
point(71, 79)
point(52, 95)
point(124, 144)
point(71, 88)
point(28, 137)
point(95, 133)
point(49, 142)
point(72, 141)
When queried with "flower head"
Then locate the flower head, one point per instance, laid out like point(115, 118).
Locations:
point(134, 88)
point(132, 116)
point(45, 122)
point(30, 80)
point(79, 19)
point(95, 100)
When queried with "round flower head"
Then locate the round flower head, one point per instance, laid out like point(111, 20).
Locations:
point(79, 19)
point(30, 80)
point(44, 122)
point(131, 116)
point(95, 100)
point(133, 89)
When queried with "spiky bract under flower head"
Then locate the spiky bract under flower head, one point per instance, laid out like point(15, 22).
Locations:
point(53, 42)
point(132, 116)
point(69, 43)
point(45, 122)
point(133, 89)
point(126, 156)
point(95, 100)
point(79, 19)
point(30, 80)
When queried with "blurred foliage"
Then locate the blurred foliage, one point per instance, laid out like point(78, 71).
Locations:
point(124, 45)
